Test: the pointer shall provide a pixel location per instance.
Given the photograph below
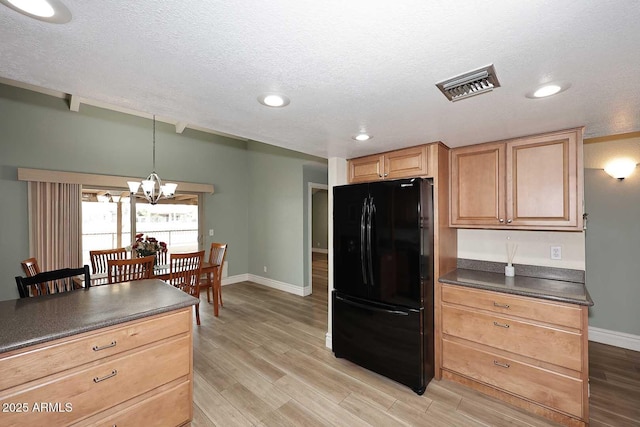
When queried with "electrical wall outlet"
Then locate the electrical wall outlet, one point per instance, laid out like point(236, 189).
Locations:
point(211, 232)
point(265, 268)
point(556, 252)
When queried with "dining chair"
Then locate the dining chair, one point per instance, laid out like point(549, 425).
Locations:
point(30, 267)
point(184, 273)
point(162, 257)
point(51, 282)
point(99, 258)
point(125, 270)
point(217, 255)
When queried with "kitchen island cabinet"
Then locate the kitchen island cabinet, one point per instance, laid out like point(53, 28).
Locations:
point(532, 183)
point(114, 355)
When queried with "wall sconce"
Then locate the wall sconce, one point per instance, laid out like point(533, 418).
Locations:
point(620, 168)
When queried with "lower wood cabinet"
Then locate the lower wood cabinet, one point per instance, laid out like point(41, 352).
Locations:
point(529, 352)
point(112, 376)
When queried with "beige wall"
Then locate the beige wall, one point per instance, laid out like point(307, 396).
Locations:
point(534, 247)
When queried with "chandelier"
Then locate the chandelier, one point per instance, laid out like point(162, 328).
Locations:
point(152, 188)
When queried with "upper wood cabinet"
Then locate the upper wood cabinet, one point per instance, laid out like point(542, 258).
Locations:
point(409, 162)
point(534, 182)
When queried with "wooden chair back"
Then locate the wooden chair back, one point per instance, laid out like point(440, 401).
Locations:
point(184, 273)
point(162, 257)
point(100, 258)
point(217, 255)
point(30, 267)
point(52, 282)
point(125, 270)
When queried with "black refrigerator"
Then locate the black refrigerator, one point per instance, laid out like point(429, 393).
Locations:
point(383, 278)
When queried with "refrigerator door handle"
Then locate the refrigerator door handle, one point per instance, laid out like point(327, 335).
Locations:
point(363, 217)
point(372, 308)
point(372, 211)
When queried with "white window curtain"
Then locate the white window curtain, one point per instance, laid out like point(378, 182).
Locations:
point(55, 233)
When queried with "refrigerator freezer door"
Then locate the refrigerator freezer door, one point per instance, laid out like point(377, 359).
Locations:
point(397, 242)
point(350, 216)
point(387, 340)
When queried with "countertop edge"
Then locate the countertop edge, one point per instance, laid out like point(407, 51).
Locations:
point(588, 302)
point(97, 325)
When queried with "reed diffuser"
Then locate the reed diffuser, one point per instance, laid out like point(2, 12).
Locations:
point(509, 270)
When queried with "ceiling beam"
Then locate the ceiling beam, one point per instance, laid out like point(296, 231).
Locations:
point(180, 127)
point(74, 103)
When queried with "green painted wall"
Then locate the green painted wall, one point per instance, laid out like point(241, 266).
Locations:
point(320, 220)
point(613, 250)
point(276, 212)
point(39, 131)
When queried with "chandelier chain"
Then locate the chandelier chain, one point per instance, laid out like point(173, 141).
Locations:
point(154, 143)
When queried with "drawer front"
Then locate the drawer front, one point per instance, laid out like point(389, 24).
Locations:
point(545, 387)
point(169, 408)
point(543, 343)
point(530, 308)
point(87, 391)
point(64, 354)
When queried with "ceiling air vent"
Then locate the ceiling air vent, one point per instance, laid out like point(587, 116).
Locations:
point(469, 84)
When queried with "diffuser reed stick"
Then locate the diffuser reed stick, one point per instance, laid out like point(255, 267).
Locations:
point(511, 253)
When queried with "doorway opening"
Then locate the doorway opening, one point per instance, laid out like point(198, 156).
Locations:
point(318, 238)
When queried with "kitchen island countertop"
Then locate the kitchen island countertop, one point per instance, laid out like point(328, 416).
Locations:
point(29, 321)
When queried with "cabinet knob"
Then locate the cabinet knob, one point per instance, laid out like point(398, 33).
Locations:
point(501, 220)
point(386, 175)
point(508, 221)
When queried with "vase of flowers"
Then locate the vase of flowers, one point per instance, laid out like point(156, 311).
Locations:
point(147, 245)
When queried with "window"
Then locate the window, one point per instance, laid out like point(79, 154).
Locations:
point(107, 221)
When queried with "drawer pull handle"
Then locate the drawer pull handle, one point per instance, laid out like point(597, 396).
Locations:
point(502, 365)
point(502, 325)
point(495, 304)
point(97, 348)
point(106, 377)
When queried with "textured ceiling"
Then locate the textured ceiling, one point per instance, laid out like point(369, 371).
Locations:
point(346, 66)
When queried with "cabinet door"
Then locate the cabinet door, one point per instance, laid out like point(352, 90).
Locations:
point(544, 185)
point(407, 163)
point(366, 169)
point(477, 185)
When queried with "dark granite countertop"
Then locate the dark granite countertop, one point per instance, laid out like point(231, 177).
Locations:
point(554, 290)
point(30, 321)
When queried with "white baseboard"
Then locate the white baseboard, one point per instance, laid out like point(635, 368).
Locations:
point(235, 279)
point(322, 251)
point(618, 339)
point(281, 286)
point(328, 340)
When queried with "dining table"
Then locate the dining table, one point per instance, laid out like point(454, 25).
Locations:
point(162, 272)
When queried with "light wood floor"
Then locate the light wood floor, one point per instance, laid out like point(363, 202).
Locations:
point(264, 362)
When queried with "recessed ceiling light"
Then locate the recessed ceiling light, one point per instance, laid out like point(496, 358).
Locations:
point(548, 90)
point(44, 10)
point(40, 8)
point(273, 100)
point(362, 137)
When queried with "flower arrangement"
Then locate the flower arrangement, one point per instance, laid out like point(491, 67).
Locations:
point(148, 245)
